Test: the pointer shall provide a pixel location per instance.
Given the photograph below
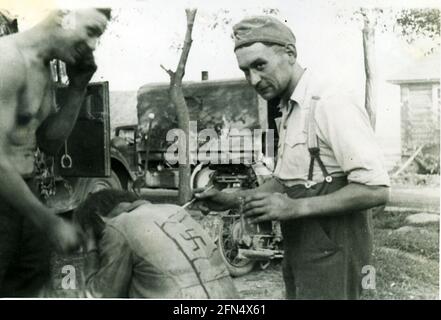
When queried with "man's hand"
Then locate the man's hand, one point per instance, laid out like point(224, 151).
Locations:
point(64, 235)
point(265, 206)
point(212, 200)
point(80, 74)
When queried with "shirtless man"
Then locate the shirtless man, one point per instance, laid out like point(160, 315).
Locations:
point(28, 119)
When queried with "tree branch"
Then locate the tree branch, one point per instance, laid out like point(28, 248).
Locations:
point(170, 73)
point(180, 71)
point(369, 62)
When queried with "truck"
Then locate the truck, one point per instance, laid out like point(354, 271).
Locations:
point(227, 140)
point(227, 153)
point(86, 162)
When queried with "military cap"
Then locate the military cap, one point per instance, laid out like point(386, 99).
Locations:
point(262, 29)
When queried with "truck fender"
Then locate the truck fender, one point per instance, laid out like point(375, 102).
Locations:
point(197, 179)
point(120, 165)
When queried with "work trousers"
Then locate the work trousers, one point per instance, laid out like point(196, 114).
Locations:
point(324, 256)
point(24, 254)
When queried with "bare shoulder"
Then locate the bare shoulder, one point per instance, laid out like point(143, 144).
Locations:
point(12, 65)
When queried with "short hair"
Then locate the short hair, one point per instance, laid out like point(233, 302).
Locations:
point(100, 204)
point(105, 11)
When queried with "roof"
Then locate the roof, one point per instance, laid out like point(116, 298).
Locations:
point(154, 87)
point(425, 69)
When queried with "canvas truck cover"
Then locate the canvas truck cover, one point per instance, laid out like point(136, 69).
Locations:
point(214, 104)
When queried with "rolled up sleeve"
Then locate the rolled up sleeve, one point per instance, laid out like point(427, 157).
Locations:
point(344, 126)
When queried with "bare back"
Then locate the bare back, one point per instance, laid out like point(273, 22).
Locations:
point(31, 100)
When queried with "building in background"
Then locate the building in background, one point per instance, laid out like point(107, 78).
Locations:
point(420, 105)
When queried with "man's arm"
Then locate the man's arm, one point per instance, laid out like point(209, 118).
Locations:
point(13, 188)
point(57, 127)
point(108, 271)
point(264, 206)
point(216, 200)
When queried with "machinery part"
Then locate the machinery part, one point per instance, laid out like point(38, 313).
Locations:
point(229, 249)
point(263, 265)
point(201, 176)
point(262, 254)
point(66, 159)
point(96, 184)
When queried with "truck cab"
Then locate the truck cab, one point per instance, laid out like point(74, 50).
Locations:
point(229, 108)
point(87, 162)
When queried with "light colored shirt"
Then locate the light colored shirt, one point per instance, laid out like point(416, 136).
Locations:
point(345, 137)
point(157, 251)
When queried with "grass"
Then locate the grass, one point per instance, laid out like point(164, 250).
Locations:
point(400, 275)
point(406, 261)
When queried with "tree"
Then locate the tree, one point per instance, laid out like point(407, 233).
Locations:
point(370, 97)
point(178, 99)
point(411, 24)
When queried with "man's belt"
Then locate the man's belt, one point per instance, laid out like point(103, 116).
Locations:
point(294, 182)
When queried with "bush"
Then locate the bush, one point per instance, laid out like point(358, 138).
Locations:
point(428, 159)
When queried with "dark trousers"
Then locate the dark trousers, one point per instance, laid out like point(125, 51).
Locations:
point(24, 255)
point(324, 256)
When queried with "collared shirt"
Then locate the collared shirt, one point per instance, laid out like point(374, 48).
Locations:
point(345, 137)
point(157, 251)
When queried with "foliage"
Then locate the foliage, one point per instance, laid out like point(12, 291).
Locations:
point(413, 23)
point(410, 24)
point(429, 159)
point(412, 179)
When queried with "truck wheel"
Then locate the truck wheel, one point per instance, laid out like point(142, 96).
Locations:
point(97, 184)
point(228, 248)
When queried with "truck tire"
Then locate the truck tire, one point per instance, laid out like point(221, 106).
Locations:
point(228, 249)
point(97, 184)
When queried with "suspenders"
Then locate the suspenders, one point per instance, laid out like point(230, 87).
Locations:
point(312, 143)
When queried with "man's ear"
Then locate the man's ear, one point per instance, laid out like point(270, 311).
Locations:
point(291, 50)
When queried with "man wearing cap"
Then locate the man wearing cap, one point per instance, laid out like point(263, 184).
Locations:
point(329, 169)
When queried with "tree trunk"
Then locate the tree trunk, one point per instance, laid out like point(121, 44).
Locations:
point(370, 102)
point(178, 99)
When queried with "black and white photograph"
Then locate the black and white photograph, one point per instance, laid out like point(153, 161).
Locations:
point(220, 150)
